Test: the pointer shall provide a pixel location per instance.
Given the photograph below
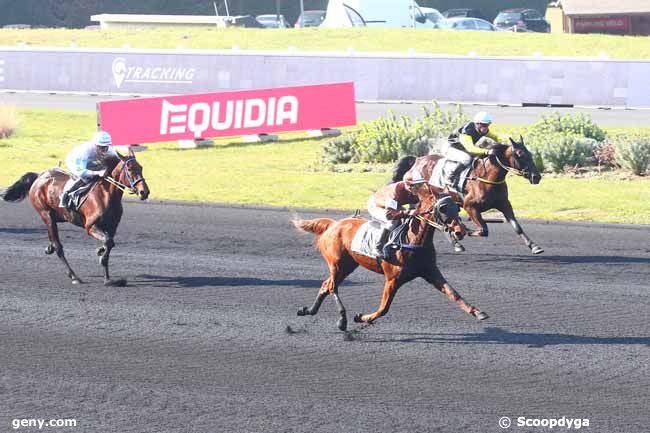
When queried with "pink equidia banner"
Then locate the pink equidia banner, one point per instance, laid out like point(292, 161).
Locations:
point(148, 120)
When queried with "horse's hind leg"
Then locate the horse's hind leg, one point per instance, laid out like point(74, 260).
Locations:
point(509, 214)
point(435, 277)
point(104, 253)
point(49, 219)
point(478, 220)
point(338, 272)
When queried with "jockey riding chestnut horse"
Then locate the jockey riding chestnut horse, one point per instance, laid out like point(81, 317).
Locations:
point(416, 258)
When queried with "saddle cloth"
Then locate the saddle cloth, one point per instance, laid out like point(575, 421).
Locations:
point(368, 235)
point(75, 198)
point(366, 238)
point(439, 174)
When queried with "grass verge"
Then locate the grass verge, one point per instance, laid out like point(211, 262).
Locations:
point(317, 39)
point(290, 173)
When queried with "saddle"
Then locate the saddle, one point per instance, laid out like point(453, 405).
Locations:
point(369, 233)
point(442, 169)
point(75, 197)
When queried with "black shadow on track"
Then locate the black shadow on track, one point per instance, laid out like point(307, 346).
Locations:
point(494, 335)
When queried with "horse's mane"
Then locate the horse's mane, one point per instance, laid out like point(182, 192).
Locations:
point(500, 148)
point(110, 161)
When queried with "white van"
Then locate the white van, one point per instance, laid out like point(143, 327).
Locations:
point(375, 13)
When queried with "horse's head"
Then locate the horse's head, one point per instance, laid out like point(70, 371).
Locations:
point(521, 160)
point(440, 211)
point(131, 175)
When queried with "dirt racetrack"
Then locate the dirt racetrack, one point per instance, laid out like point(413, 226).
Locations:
point(205, 337)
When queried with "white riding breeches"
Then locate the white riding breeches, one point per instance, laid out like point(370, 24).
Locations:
point(380, 214)
point(456, 155)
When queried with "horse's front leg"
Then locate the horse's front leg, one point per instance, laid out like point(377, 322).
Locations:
point(458, 247)
point(509, 214)
point(394, 280)
point(104, 252)
point(478, 220)
point(435, 277)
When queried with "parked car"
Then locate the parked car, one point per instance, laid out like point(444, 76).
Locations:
point(272, 21)
point(432, 15)
point(244, 21)
point(459, 23)
point(463, 13)
point(521, 20)
point(310, 19)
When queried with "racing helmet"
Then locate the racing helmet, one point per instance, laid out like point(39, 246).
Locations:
point(483, 117)
point(102, 139)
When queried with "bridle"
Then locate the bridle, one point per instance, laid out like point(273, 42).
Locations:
point(512, 170)
point(132, 183)
point(438, 222)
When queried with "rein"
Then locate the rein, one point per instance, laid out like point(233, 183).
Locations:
point(507, 168)
point(431, 223)
point(119, 185)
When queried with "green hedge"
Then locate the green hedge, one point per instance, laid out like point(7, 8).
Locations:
point(633, 152)
point(389, 138)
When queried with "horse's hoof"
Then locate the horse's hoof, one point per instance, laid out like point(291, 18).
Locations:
point(342, 323)
point(115, 283)
point(304, 311)
point(357, 318)
point(482, 316)
point(458, 248)
point(76, 281)
point(536, 249)
point(49, 250)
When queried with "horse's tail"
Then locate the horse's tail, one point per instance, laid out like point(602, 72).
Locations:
point(316, 226)
point(19, 190)
point(403, 165)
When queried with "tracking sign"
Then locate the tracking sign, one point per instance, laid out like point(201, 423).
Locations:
point(148, 120)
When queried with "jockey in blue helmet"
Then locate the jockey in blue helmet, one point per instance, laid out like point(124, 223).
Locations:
point(86, 161)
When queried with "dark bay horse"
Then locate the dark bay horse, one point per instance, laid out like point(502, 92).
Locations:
point(100, 210)
point(486, 186)
point(334, 240)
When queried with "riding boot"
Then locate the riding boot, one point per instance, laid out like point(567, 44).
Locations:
point(67, 197)
point(453, 176)
point(379, 246)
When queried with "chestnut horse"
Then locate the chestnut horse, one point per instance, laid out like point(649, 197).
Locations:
point(100, 210)
point(486, 186)
point(417, 259)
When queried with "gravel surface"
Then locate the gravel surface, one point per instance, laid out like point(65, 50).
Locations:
point(205, 337)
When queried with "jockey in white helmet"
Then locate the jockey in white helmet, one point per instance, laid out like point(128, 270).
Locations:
point(386, 207)
point(473, 139)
